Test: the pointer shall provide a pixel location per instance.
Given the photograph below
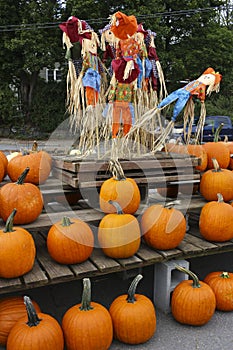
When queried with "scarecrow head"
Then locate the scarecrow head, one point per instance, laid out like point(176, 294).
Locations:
point(211, 79)
point(123, 26)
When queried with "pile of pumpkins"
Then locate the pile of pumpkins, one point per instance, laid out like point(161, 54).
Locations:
point(131, 318)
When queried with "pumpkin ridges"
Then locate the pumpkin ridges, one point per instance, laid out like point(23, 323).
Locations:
point(216, 221)
point(11, 310)
point(72, 243)
point(162, 228)
point(223, 289)
point(193, 302)
point(219, 151)
point(25, 197)
point(47, 335)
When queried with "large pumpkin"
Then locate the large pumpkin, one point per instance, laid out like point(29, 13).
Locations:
point(163, 228)
point(133, 316)
point(39, 162)
point(11, 310)
point(119, 234)
point(70, 241)
point(222, 284)
point(87, 325)
point(25, 197)
point(193, 302)
point(2, 170)
point(216, 220)
point(35, 331)
point(215, 181)
point(121, 189)
point(17, 250)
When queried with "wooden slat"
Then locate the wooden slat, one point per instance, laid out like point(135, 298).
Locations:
point(104, 263)
point(35, 276)
point(85, 269)
point(149, 255)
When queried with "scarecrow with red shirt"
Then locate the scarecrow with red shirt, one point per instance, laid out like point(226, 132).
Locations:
point(125, 71)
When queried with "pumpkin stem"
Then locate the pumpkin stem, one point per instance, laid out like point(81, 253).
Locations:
point(217, 132)
point(132, 289)
point(116, 170)
point(117, 206)
point(216, 165)
point(22, 177)
point(9, 222)
point(66, 221)
point(33, 319)
point(86, 296)
point(220, 198)
point(194, 277)
point(225, 274)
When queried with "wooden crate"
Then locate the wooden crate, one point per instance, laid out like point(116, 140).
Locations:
point(153, 171)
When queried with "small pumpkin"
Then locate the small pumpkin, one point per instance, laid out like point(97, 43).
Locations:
point(121, 189)
point(17, 250)
point(2, 170)
point(215, 181)
point(216, 220)
point(119, 234)
point(87, 325)
point(25, 197)
point(192, 302)
point(35, 331)
point(11, 310)
point(222, 284)
point(163, 227)
point(133, 316)
point(199, 152)
point(70, 241)
point(39, 163)
point(218, 150)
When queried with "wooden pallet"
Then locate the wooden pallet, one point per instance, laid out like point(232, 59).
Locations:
point(46, 271)
point(158, 170)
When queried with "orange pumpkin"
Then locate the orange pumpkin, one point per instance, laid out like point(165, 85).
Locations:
point(17, 250)
point(229, 145)
point(87, 325)
point(215, 181)
point(11, 310)
point(3, 158)
point(163, 228)
point(199, 152)
point(70, 241)
point(2, 170)
point(216, 220)
point(222, 284)
point(193, 302)
point(25, 197)
point(219, 151)
point(121, 189)
point(119, 234)
point(133, 316)
point(35, 331)
point(39, 162)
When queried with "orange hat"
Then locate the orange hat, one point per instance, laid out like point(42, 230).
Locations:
point(218, 77)
point(123, 26)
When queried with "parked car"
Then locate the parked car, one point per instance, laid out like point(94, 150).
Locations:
point(210, 126)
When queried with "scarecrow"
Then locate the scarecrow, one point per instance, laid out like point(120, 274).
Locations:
point(125, 71)
point(208, 82)
point(108, 46)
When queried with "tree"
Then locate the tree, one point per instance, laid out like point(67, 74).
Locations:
point(26, 47)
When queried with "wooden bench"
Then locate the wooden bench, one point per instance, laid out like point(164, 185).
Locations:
point(47, 272)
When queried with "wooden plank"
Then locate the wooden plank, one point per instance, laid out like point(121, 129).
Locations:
point(9, 284)
point(104, 263)
point(84, 269)
point(148, 255)
point(35, 276)
point(130, 262)
point(199, 242)
point(52, 268)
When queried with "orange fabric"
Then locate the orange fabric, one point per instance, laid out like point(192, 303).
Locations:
point(121, 111)
point(91, 96)
point(125, 26)
point(218, 77)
